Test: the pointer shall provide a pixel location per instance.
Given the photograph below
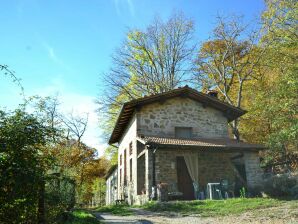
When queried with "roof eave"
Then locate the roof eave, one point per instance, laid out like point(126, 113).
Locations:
point(230, 111)
point(215, 148)
point(112, 140)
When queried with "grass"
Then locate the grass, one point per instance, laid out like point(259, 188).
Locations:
point(122, 210)
point(208, 208)
point(81, 217)
point(204, 208)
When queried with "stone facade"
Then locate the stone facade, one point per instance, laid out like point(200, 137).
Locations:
point(213, 166)
point(160, 119)
point(253, 170)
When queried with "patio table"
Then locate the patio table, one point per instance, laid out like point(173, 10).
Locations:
point(213, 187)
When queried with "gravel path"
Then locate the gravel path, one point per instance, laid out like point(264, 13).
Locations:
point(275, 215)
point(144, 217)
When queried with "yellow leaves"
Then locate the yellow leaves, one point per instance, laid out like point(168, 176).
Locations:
point(213, 46)
point(134, 35)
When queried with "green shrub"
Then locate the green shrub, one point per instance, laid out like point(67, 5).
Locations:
point(59, 196)
point(77, 217)
point(282, 185)
point(21, 166)
point(122, 210)
point(243, 192)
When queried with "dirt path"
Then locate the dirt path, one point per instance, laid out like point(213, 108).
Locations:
point(286, 214)
point(144, 217)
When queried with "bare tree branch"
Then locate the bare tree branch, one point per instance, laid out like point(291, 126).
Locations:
point(230, 59)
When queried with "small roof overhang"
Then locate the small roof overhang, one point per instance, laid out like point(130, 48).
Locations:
point(202, 144)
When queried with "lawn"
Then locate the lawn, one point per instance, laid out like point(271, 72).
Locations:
point(81, 217)
point(122, 210)
point(205, 208)
point(209, 208)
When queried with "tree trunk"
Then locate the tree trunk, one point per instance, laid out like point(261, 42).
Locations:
point(285, 158)
point(41, 203)
point(235, 130)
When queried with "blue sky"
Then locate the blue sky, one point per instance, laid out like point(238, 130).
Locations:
point(65, 45)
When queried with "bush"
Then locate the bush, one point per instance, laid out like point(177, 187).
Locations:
point(59, 196)
point(22, 137)
point(282, 185)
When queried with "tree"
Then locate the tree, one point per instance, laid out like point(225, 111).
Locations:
point(47, 111)
point(280, 24)
point(76, 126)
point(22, 166)
point(111, 152)
point(11, 74)
point(70, 126)
point(228, 61)
point(149, 62)
point(274, 108)
point(44, 164)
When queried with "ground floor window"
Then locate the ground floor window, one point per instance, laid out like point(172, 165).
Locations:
point(130, 169)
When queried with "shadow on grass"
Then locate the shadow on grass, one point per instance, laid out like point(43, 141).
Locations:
point(78, 216)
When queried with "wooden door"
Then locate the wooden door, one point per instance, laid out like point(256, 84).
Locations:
point(184, 180)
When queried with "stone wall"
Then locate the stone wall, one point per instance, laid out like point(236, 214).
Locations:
point(160, 119)
point(253, 170)
point(213, 167)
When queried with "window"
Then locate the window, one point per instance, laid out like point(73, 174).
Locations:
point(120, 160)
point(130, 169)
point(183, 132)
point(130, 148)
point(124, 163)
point(120, 177)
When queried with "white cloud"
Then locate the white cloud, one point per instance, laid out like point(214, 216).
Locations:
point(51, 52)
point(124, 5)
point(53, 56)
point(116, 4)
point(131, 7)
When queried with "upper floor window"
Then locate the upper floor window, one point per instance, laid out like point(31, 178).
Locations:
point(130, 148)
point(183, 132)
point(120, 160)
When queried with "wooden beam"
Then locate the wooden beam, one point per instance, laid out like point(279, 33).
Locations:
point(138, 108)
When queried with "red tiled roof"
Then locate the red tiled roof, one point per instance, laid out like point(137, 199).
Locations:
point(128, 108)
point(204, 143)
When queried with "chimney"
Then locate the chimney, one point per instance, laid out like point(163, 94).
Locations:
point(212, 93)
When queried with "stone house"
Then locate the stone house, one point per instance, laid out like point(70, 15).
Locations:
point(180, 138)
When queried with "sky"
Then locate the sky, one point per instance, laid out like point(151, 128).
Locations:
point(64, 46)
